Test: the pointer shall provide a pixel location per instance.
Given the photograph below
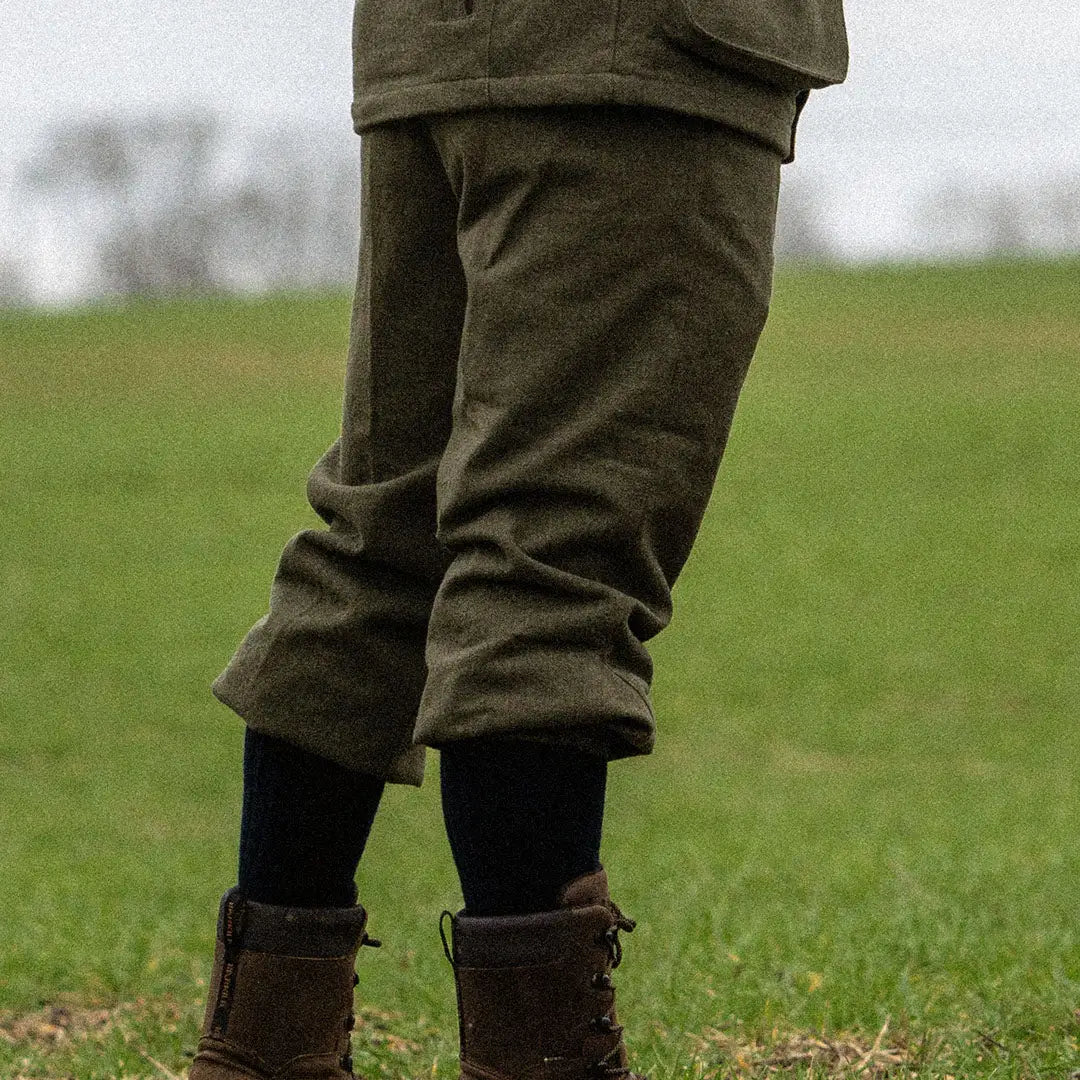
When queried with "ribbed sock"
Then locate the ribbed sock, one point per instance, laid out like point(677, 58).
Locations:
point(523, 820)
point(304, 825)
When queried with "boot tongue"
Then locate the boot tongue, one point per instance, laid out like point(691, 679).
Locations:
point(586, 891)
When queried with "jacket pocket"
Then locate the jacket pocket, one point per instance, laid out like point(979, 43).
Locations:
point(795, 44)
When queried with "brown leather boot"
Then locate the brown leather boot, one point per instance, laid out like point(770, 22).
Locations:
point(280, 1005)
point(535, 997)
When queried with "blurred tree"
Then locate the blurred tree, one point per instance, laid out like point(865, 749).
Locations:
point(1058, 227)
point(293, 219)
point(14, 288)
point(159, 209)
point(1007, 218)
point(802, 230)
point(139, 195)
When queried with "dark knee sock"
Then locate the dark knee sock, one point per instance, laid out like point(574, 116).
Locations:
point(523, 820)
point(304, 825)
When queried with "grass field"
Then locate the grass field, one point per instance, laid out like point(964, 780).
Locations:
point(863, 815)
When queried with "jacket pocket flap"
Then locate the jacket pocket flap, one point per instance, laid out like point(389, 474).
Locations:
point(798, 44)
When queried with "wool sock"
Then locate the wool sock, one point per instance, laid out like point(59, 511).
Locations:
point(304, 824)
point(523, 820)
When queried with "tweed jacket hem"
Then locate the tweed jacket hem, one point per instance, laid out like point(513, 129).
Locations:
point(761, 110)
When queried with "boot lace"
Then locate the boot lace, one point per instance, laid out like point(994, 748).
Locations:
point(608, 1067)
point(346, 1062)
point(605, 1068)
point(610, 937)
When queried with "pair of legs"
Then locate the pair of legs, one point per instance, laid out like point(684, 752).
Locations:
point(523, 820)
point(555, 311)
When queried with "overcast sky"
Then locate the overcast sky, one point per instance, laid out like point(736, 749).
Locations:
point(968, 88)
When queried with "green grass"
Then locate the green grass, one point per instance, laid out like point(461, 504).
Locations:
point(864, 806)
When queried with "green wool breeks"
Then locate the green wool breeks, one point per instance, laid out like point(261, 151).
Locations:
point(555, 311)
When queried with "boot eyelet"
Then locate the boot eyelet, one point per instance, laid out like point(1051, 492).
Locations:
point(601, 981)
point(350, 1022)
point(602, 1023)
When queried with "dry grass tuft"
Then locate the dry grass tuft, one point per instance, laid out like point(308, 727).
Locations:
point(373, 1026)
point(57, 1023)
point(68, 1023)
point(70, 1020)
point(722, 1055)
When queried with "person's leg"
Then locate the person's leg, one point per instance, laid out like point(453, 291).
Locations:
point(330, 679)
point(288, 933)
point(619, 265)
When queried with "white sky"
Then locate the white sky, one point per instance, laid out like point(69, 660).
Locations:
point(978, 88)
